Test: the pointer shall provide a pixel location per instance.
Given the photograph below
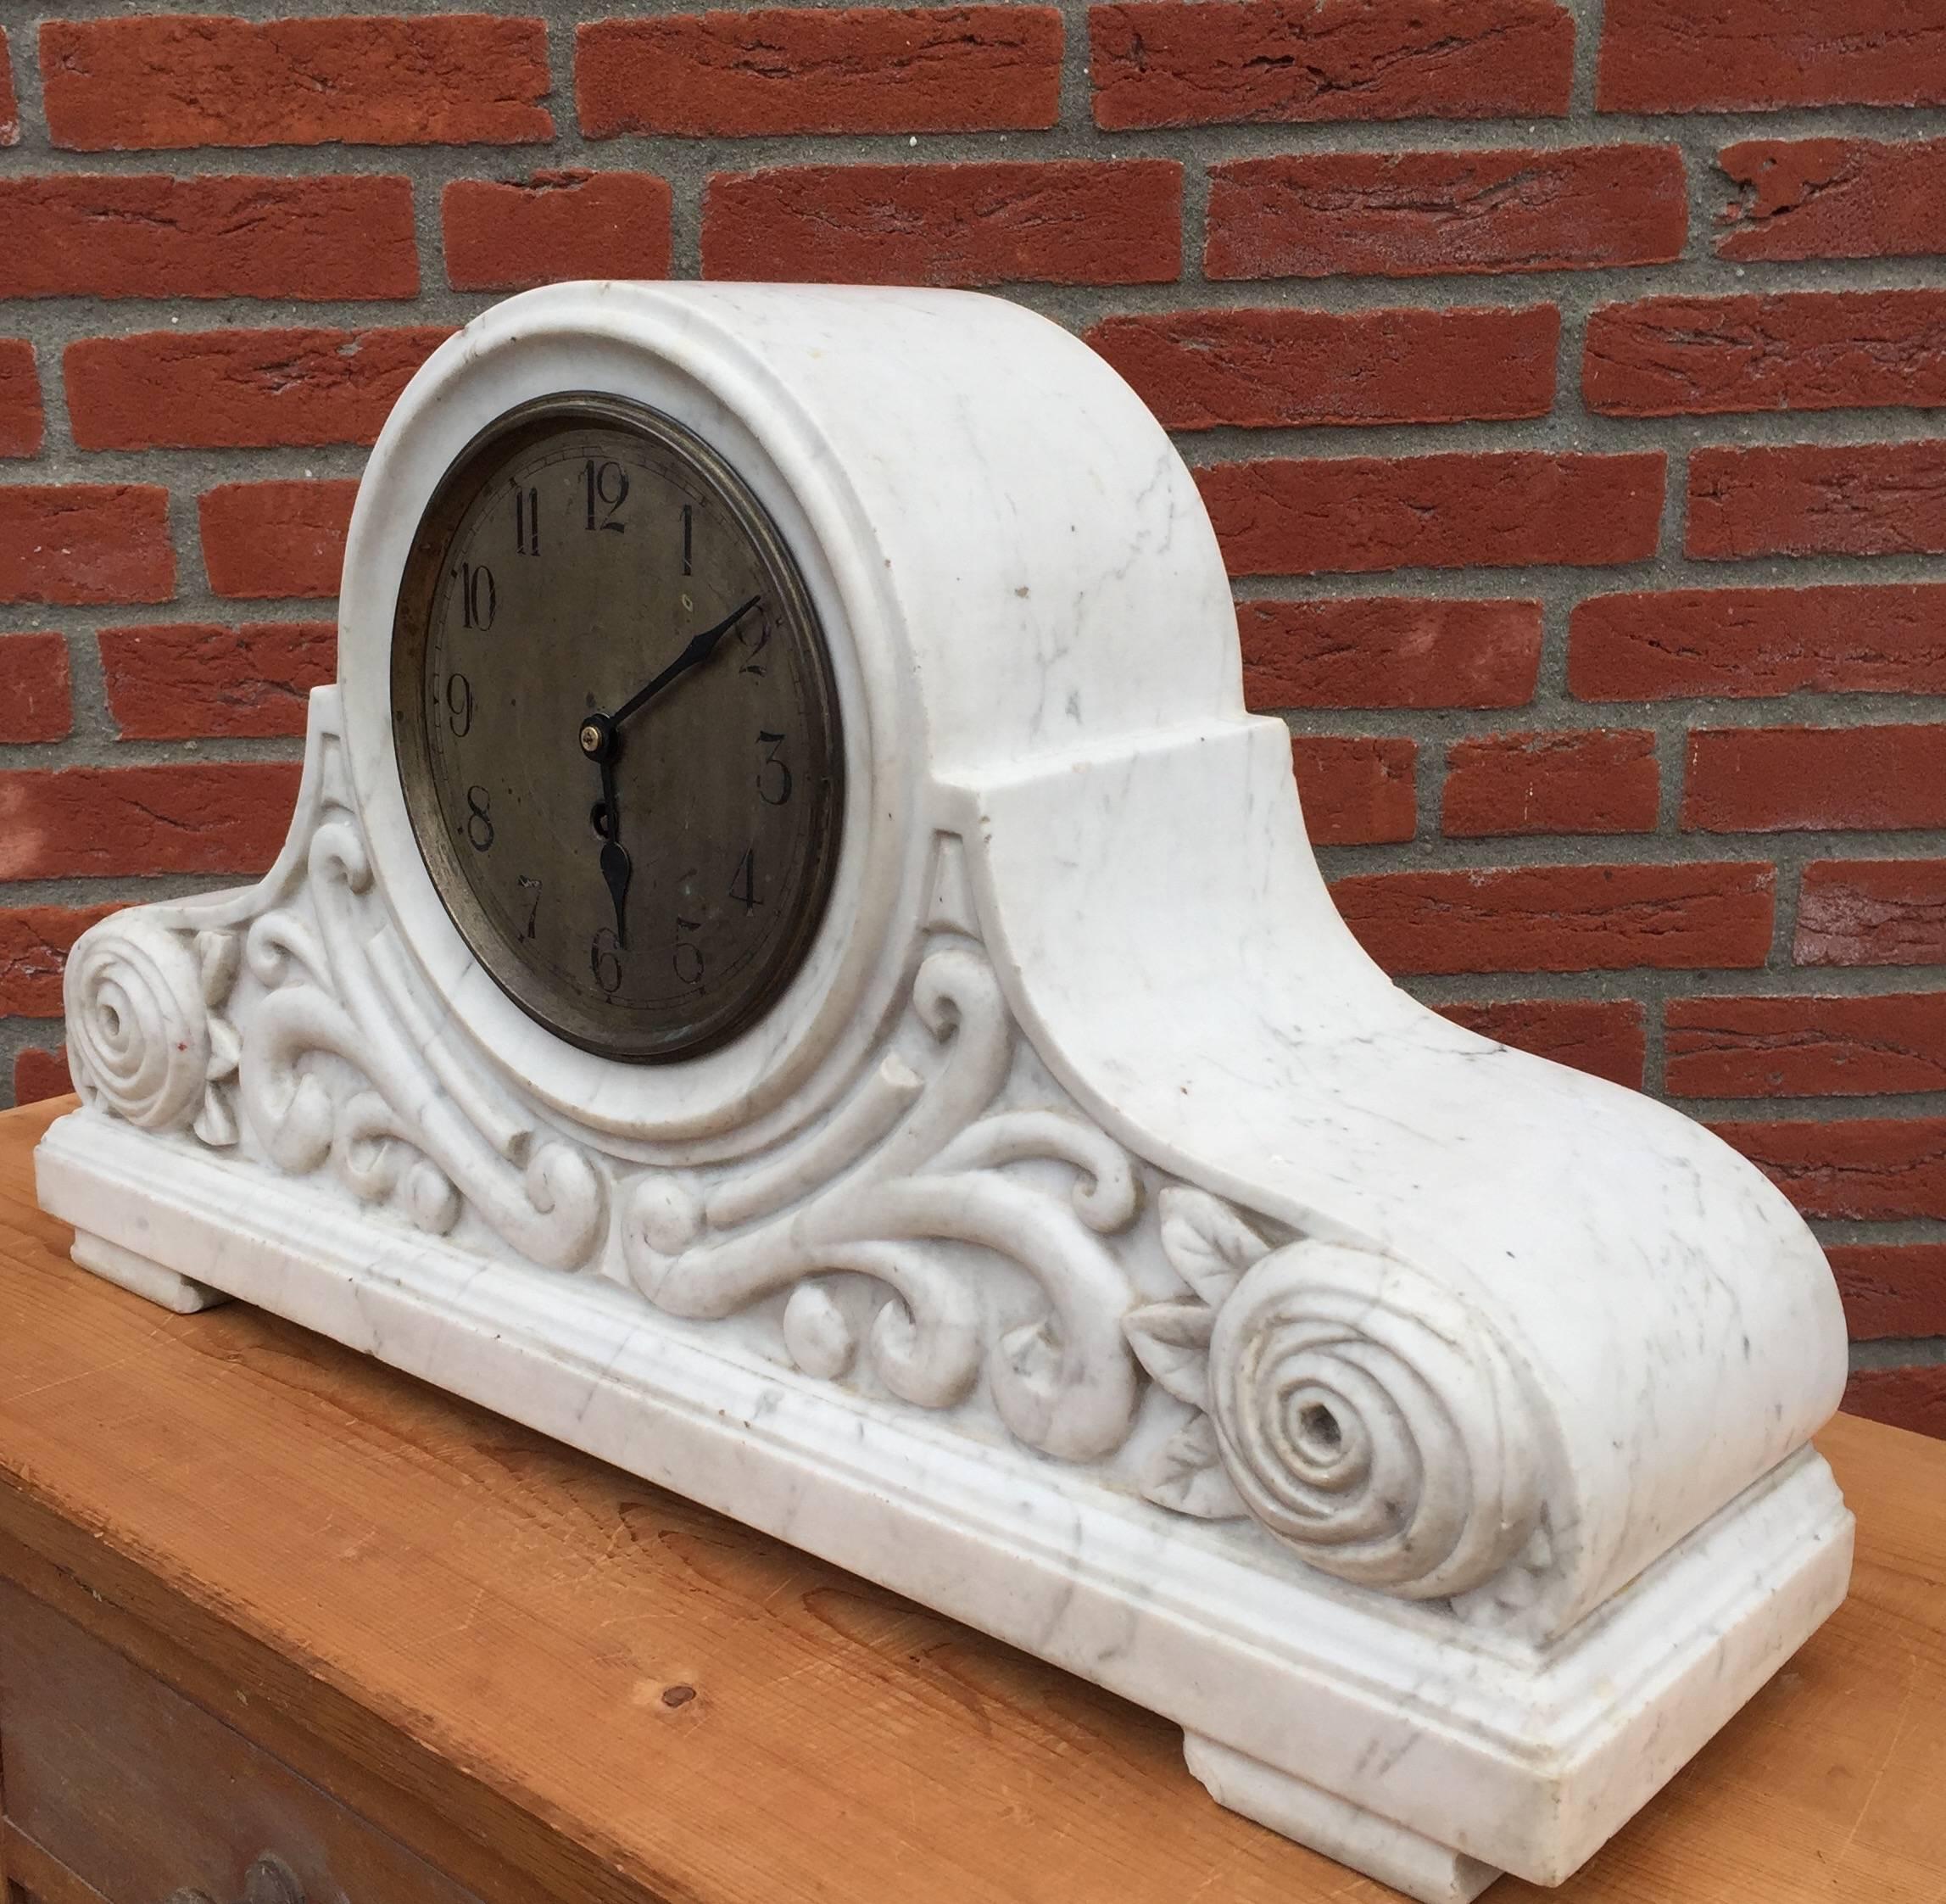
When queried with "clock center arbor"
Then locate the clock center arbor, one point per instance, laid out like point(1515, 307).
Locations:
point(1057, 1217)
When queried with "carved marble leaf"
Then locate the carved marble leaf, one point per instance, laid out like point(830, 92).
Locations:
point(1207, 1245)
point(1171, 1340)
point(1186, 1474)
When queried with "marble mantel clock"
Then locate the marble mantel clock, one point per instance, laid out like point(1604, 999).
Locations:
point(793, 971)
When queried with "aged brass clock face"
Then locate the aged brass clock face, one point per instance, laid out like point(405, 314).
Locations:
point(617, 731)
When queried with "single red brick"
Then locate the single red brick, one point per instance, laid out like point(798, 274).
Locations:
point(1806, 1047)
point(1913, 1397)
point(1663, 56)
point(1356, 790)
point(1891, 1289)
point(1872, 912)
point(1833, 198)
point(1810, 778)
point(1389, 651)
point(266, 540)
point(820, 70)
point(85, 542)
point(35, 701)
point(1063, 221)
point(557, 225)
point(239, 389)
point(1564, 918)
point(9, 107)
point(1164, 63)
point(34, 942)
point(1415, 214)
point(189, 679)
point(1361, 514)
point(1869, 1168)
point(1749, 643)
point(175, 81)
point(56, 823)
point(143, 235)
point(21, 424)
point(1795, 350)
point(1199, 370)
point(1504, 784)
point(1809, 498)
point(1605, 1037)
point(39, 1074)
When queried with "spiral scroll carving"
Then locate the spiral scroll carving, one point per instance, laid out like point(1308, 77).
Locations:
point(143, 1040)
point(1372, 1419)
point(138, 1024)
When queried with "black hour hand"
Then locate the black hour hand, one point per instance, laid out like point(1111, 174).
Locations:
point(615, 867)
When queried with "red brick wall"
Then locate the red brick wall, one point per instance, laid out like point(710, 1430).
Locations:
point(1559, 376)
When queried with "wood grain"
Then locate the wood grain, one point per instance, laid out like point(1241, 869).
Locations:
point(553, 1680)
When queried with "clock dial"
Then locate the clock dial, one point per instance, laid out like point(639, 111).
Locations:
point(617, 731)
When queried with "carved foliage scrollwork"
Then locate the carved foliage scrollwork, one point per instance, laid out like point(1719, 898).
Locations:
point(912, 1163)
point(1358, 1409)
point(1363, 1412)
point(428, 1126)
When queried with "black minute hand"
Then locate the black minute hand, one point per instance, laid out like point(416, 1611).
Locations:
point(699, 649)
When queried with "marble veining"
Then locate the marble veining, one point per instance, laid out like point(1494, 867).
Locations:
point(1092, 1243)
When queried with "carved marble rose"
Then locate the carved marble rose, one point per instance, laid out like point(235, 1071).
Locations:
point(1357, 1409)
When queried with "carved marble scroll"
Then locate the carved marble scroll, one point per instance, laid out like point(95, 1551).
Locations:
point(429, 1117)
point(150, 1045)
point(914, 1163)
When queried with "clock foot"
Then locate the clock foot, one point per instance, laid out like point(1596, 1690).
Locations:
point(1433, 1874)
point(142, 1277)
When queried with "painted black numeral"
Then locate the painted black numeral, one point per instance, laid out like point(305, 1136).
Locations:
point(604, 961)
point(458, 706)
point(755, 636)
point(773, 777)
point(479, 600)
point(533, 887)
point(607, 487)
point(688, 959)
point(743, 885)
point(479, 821)
point(526, 521)
point(688, 524)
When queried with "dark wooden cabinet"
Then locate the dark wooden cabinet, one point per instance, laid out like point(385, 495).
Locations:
point(142, 1796)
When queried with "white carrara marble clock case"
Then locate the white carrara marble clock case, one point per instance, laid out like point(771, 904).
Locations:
point(1092, 1243)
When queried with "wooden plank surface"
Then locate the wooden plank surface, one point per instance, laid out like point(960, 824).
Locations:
point(483, 1640)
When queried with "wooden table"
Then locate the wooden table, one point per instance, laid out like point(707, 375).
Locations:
point(252, 1584)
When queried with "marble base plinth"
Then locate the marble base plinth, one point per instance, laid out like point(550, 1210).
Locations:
point(1380, 1732)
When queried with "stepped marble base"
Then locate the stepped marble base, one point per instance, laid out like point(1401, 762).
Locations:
point(1370, 1729)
